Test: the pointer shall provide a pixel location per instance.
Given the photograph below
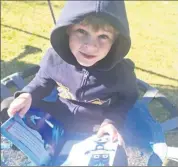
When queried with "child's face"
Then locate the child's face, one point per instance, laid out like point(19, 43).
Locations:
point(90, 46)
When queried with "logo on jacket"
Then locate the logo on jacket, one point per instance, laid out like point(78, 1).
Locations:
point(100, 102)
point(66, 94)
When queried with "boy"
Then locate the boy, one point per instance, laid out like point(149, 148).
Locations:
point(96, 85)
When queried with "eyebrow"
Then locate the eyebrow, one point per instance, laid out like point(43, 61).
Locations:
point(108, 31)
point(112, 32)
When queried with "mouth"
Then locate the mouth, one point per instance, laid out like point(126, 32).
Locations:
point(87, 56)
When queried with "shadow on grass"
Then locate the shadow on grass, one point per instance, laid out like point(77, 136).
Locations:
point(15, 65)
point(163, 112)
point(170, 92)
point(27, 32)
point(160, 75)
point(28, 50)
point(160, 85)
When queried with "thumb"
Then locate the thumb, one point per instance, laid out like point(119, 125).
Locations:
point(100, 132)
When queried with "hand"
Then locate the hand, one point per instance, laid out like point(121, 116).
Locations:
point(112, 131)
point(20, 104)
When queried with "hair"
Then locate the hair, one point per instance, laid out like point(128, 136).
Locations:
point(98, 22)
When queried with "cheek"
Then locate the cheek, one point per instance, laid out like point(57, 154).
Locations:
point(104, 49)
point(74, 43)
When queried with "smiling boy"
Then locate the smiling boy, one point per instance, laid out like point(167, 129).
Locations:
point(96, 85)
point(91, 40)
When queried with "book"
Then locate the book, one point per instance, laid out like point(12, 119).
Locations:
point(44, 141)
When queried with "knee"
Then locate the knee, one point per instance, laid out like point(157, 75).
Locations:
point(4, 106)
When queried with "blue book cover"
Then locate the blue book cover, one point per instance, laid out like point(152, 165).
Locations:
point(29, 141)
point(43, 140)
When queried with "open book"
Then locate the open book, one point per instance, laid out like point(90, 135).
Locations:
point(48, 147)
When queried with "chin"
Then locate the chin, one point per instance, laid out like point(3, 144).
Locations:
point(86, 64)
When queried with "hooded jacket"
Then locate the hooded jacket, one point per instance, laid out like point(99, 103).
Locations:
point(105, 91)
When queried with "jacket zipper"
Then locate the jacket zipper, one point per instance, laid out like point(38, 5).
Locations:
point(84, 82)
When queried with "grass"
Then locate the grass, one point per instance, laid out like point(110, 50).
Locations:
point(26, 27)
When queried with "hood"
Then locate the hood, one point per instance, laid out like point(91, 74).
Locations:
point(74, 11)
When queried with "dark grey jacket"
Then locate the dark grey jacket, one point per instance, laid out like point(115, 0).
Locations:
point(106, 90)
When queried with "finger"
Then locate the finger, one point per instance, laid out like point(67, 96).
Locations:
point(12, 110)
point(114, 136)
point(14, 107)
point(120, 140)
point(11, 113)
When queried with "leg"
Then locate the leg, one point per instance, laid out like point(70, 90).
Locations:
point(57, 109)
point(120, 157)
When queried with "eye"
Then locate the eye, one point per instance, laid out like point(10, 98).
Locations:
point(81, 31)
point(104, 36)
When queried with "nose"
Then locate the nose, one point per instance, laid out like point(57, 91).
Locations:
point(91, 44)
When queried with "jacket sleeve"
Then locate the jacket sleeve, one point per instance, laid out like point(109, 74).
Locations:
point(127, 96)
point(42, 84)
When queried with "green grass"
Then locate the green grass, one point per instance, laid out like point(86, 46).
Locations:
point(26, 28)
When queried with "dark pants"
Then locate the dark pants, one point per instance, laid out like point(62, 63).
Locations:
point(58, 110)
point(62, 113)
